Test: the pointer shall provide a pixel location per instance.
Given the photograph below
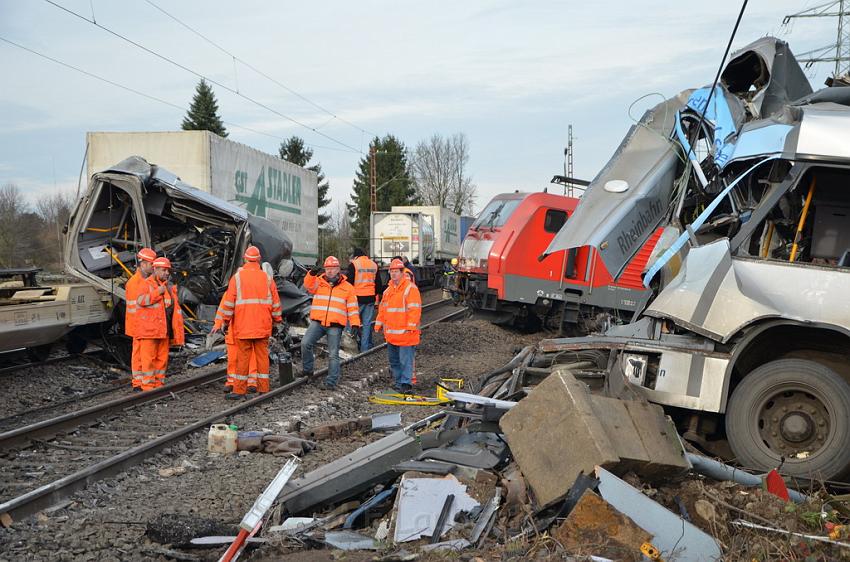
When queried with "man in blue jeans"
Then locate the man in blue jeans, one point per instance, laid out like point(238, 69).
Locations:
point(334, 305)
point(367, 284)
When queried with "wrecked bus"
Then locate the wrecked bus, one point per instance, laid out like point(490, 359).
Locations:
point(135, 204)
point(745, 335)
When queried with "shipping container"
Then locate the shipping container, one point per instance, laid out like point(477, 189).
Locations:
point(262, 184)
point(444, 223)
point(402, 234)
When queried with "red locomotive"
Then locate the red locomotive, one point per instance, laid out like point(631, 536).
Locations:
point(500, 274)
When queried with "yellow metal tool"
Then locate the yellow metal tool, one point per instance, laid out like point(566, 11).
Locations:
point(396, 399)
point(802, 222)
point(115, 257)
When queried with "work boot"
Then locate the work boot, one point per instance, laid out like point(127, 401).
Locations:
point(405, 388)
point(325, 386)
point(137, 389)
point(228, 389)
point(307, 374)
point(252, 389)
point(234, 396)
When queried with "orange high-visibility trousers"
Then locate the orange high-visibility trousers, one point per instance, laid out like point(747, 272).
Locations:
point(154, 361)
point(259, 348)
point(136, 363)
point(232, 353)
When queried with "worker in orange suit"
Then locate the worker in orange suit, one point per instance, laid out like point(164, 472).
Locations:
point(398, 316)
point(159, 324)
point(135, 286)
point(334, 305)
point(362, 273)
point(249, 309)
point(232, 364)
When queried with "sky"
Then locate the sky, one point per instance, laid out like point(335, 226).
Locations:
point(510, 75)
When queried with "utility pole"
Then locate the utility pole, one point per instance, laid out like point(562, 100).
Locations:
point(568, 162)
point(841, 47)
point(373, 178)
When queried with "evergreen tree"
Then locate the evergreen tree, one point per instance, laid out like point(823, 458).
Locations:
point(393, 182)
point(203, 113)
point(293, 150)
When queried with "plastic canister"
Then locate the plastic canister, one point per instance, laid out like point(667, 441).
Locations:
point(222, 439)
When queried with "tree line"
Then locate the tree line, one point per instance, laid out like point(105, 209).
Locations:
point(434, 172)
point(32, 235)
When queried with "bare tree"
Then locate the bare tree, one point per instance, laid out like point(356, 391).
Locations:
point(439, 169)
point(13, 206)
point(55, 210)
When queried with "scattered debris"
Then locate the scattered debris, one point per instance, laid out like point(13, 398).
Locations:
point(350, 540)
point(420, 504)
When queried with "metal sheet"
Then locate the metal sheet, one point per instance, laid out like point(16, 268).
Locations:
point(618, 224)
point(676, 538)
point(824, 132)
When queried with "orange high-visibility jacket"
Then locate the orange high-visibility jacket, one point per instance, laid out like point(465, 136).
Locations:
point(134, 287)
point(399, 313)
point(250, 304)
point(151, 305)
point(332, 305)
point(365, 272)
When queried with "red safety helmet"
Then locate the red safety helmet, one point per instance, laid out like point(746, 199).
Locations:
point(162, 262)
point(146, 254)
point(396, 264)
point(252, 253)
point(331, 261)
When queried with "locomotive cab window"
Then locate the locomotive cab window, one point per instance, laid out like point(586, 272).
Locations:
point(554, 220)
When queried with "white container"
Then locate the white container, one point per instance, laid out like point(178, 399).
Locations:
point(444, 223)
point(402, 234)
point(263, 184)
point(222, 439)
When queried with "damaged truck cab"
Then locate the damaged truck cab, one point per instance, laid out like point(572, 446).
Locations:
point(746, 339)
point(135, 204)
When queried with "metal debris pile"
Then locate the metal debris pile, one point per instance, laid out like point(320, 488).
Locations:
point(541, 465)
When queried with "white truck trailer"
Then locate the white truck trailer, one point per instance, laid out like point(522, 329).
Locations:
point(427, 235)
point(264, 185)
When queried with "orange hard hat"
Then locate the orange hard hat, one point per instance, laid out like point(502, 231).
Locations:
point(146, 254)
point(162, 262)
point(252, 253)
point(331, 261)
point(396, 264)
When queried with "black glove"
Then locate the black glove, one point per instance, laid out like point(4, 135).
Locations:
point(315, 270)
point(278, 330)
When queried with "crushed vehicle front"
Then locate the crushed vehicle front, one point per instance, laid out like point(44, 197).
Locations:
point(750, 185)
point(136, 204)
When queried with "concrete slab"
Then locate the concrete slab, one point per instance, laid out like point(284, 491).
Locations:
point(554, 435)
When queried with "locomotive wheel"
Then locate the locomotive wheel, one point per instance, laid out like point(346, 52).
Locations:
point(795, 411)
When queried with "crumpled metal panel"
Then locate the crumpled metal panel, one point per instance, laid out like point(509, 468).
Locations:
point(618, 224)
point(824, 132)
point(717, 295)
point(139, 167)
point(785, 80)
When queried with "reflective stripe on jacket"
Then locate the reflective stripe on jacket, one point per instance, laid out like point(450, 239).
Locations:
point(134, 287)
point(251, 303)
point(335, 304)
point(365, 272)
point(399, 313)
point(151, 306)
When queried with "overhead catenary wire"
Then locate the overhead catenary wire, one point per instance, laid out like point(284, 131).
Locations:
point(204, 77)
point(258, 71)
point(144, 94)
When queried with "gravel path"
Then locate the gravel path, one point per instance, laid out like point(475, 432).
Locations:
point(106, 521)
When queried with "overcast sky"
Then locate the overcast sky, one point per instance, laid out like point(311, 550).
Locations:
point(511, 75)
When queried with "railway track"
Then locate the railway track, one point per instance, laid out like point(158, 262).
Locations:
point(103, 440)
